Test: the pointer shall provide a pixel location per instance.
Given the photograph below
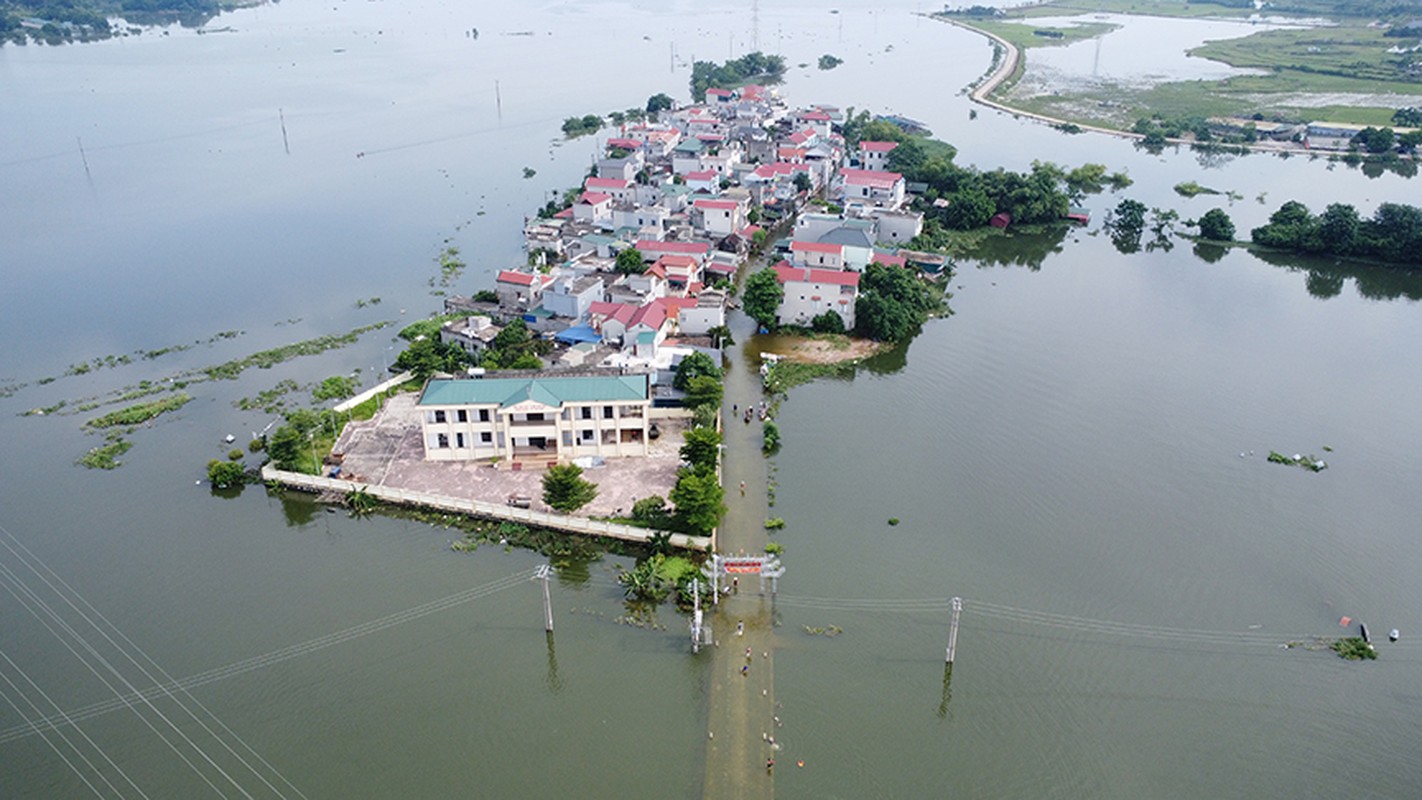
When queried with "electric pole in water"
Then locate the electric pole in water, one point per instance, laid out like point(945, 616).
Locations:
point(542, 574)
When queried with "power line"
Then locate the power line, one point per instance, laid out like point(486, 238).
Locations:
point(51, 744)
point(276, 656)
point(142, 669)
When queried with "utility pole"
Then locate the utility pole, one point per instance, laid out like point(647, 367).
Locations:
point(285, 143)
point(498, 101)
point(542, 573)
point(953, 628)
point(695, 615)
point(85, 158)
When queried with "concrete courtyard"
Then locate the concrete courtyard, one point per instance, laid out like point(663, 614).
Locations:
point(386, 451)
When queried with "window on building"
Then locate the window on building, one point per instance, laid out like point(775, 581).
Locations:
point(585, 436)
point(486, 437)
point(607, 412)
point(459, 440)
point(535, 417)
point(483, 415)
point(439, 416)
point(462, 415)
point(442, 440)
point(587, 412)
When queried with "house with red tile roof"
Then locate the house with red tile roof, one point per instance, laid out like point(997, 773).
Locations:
point(811, 292)
point(652, 249)
point(871, 187)
point(820, 255)
point(619, 189)
point(594, 208)
point(875, 155)
point(520, 290)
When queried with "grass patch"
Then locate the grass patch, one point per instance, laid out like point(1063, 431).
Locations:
point(140, 413)
point(1357, 53)
point(786, 375)
point(1026, 36)
point(105, 456)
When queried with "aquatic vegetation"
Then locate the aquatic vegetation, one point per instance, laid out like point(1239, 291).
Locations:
point(140, 413)
point(266, 359)
point(105, 456)
point(774, 524)
point(1353, 648)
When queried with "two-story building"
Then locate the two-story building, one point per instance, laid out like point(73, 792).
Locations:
point(811, 292)
point(540, 419)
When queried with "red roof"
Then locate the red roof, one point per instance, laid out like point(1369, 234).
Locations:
point(720, 205)
point(564, 214)
point(873, 178)
point(652, 315)
point(683, 262)
point(817, 247)
point(520, 278)
point(787, 274)
point(779, 168)
point(713, 92)
point(704, 175)
point(721, 268)
point(749, 231)
point(684, 248)
point(888, 260)
point(625, 144)
point(605, 183)
point(612, 311)
point(594, 198)
point(877, 147)
point(816, 116)
point(677, 303)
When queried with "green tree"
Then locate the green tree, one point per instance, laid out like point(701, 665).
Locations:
point(694, 365)
point(770, 437)
point(703, 391)
point(828, 322)
point(659, 102)
point(284, 447)
point(336, 387)
point(697, 497)
point(630, 262)
point(892, 303)
point(1125, 224)
point(1338, 228)
point(720, 336)
point(1407, 118)
point(225, 474)
point(1375, 140)
point(651, 511)
point(701, 447)
point(967, 210)
point(763, 294)
point(1216, 225)
point(565, 489)
point(803, 183)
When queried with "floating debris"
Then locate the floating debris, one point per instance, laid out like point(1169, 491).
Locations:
point(1309, 462)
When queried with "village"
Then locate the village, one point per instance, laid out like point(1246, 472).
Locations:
point(633, 277)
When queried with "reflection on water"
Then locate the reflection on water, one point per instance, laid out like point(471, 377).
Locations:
point(1325, 277)
point(297, 509)
point(1020, 249)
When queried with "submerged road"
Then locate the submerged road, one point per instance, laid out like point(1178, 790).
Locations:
point(742, 691)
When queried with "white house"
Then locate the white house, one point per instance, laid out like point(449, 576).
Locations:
point(875, 155)
point(594, 208)
point(570, 295)
point(709, 312)
point(519, 290)
point(471, 334)
point(819, 255)
point(618, 189)
point(811, 292)
point(719, 218)
point(540, 420)
point(871, 187)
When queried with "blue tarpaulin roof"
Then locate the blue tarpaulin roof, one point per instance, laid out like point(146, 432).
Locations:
point(578, 333)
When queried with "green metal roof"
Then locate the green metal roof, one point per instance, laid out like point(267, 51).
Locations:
point(553, 392)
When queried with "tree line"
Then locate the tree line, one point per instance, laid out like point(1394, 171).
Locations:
point(755, 66)
point(1393, 233)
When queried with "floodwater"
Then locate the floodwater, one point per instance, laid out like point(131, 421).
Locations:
point(1117, 56)
point(1063, 452)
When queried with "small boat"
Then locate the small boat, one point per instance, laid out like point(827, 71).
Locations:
point(1393, 635)
point(1363, 629)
